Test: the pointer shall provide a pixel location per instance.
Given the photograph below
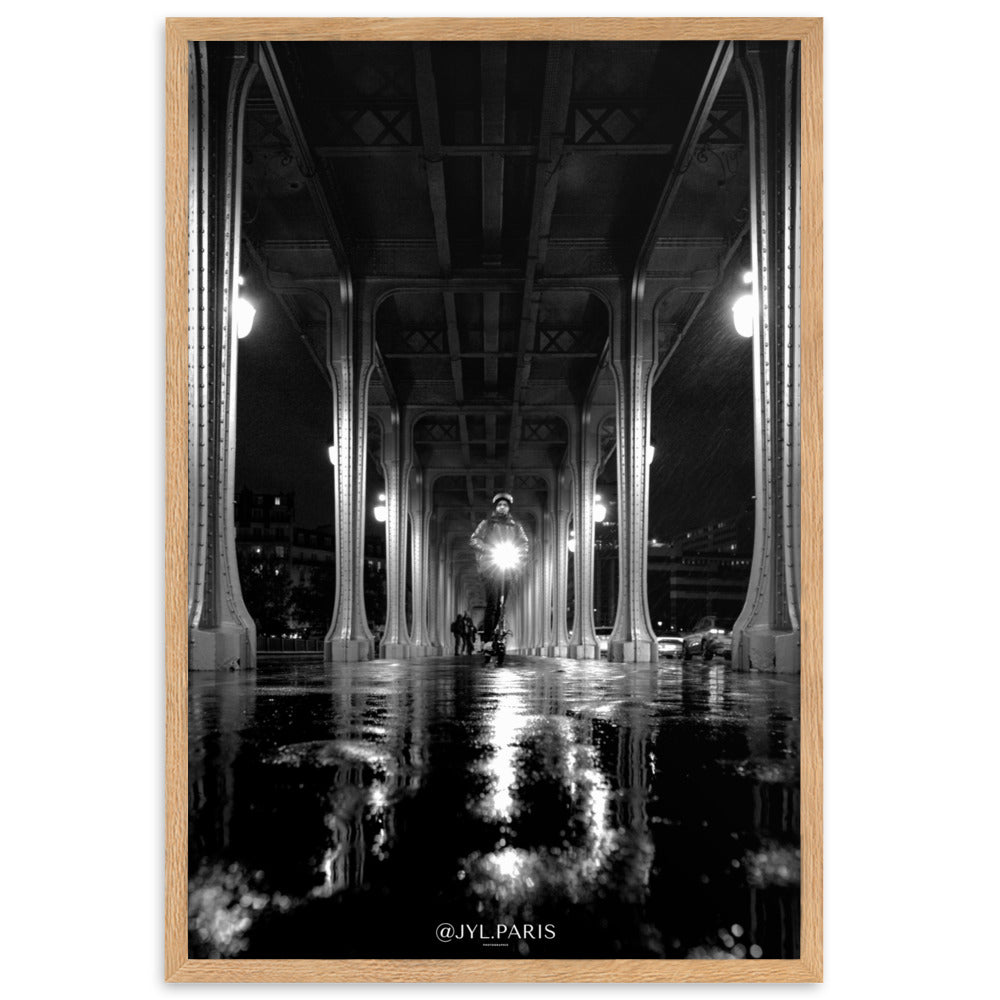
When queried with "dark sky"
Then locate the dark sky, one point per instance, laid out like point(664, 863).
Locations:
point(703, 426)
point(702, 423)
point(283, 418)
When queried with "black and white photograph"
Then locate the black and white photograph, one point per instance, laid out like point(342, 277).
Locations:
point(494, 457)
point(496, 433)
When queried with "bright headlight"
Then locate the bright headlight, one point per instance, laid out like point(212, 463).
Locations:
point(504, 555)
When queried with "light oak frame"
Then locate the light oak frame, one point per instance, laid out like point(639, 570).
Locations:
point(178, 967)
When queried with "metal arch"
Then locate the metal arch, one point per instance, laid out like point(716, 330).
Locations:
point(281, 96)
point(281, 292)
point(685, 150)
point(706, 291)
point(606, 424)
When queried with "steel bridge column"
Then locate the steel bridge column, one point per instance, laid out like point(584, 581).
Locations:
point(523, 602)
point(545, 580)
point(633, 358)
point(396, 463)
point(434, 636)
point(767, 633)
point(524, 638)
point(450, 606)
point(433, 589)
point(545, 571)
point(560, 564)
point(537, 593)
point(531, 583)
point(538, 632)
point(441, 634)
point(221, 632)
point(583, 441)
point(350, 362)
point(455, 595)
point(445, 616)
point(420, 516)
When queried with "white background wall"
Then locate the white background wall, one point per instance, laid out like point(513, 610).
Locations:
point(911, 503)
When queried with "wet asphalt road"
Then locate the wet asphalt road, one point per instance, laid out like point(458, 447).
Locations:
point(548, 809)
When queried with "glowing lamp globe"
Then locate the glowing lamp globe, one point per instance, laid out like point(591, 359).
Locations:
point(600, 511)
point(743, 315)
point(244, 317)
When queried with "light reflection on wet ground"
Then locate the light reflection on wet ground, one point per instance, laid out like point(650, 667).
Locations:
point(551, 808)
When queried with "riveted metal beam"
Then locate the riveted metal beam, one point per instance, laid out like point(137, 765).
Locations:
point(685, 151)
point(493, 69)
point(281, 95)
point(555, 107)
point(489, 149)
point(455, 351)
point(430, 129)
point(426, 355)
point(491, 339)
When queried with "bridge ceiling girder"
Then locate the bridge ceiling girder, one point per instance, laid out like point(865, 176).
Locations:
point(487, 195)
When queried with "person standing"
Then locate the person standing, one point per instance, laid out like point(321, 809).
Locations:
point(498, 531)
point(468, 633)
point(458, 631)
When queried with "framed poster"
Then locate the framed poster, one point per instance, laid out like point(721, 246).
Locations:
point(429, 280)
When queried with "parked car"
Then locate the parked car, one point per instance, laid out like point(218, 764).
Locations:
point(603, 634)
point(719, 644)
point(669, 645)
point(706, 639)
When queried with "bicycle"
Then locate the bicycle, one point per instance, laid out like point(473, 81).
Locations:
point(505, 558)
point(498, 641)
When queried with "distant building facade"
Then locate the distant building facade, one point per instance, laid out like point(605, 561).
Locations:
point(267, 536)
point(698, 572)
point(702, 571)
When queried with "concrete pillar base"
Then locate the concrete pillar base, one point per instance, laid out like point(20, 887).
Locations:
point(225, 648)
point(642, 651)
point(346, 650)
point(395, 650)
point(556, 650)
point(584, 651)
point(421, 650)
point(767, 650)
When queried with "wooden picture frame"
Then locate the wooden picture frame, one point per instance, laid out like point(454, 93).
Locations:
point(178, 967)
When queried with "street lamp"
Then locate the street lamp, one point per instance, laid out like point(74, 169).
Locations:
point(600, 511)
point(744, 309)
point(245, 313)
point(244, 317)
point(380, 509)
